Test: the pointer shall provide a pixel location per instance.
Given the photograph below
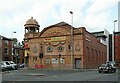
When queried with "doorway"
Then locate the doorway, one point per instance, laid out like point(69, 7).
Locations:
point(77, 63)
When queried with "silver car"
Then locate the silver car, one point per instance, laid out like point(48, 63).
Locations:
point(5, 65)
point(14, 66)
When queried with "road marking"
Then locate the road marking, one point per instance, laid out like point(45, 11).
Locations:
point(34, 74)
point(54, 76)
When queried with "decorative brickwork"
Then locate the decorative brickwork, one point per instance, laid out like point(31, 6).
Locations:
point(55, 41)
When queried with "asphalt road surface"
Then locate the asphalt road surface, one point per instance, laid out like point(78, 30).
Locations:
point(57, 75)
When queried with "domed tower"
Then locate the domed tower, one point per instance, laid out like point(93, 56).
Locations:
point(31, 31)
point(31, 26)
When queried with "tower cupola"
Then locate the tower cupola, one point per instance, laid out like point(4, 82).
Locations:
point(31, 26)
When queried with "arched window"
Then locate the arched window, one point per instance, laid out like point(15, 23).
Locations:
point(88, 53)
point(92, 55)
point(96, 54)
point(60, 48)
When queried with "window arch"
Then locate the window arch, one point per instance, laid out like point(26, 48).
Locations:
point(88, 54)
point(60, 48)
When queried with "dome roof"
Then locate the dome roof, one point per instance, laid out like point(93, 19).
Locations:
point(32, 23)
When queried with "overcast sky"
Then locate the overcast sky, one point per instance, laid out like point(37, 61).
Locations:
point(95, 15)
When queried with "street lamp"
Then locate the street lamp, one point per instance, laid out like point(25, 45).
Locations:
point(113, 53)
point(72, 50)
point(59, 58)
point(114, 24)
point(41, 56)
point(12, 44)
point(12, 33)
point(1, 47)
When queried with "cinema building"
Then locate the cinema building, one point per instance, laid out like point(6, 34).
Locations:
point(52, 47)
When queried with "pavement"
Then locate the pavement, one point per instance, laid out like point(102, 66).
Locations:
point(42, 72)
point(64, 69)
point(26, 68)
point(2, 72)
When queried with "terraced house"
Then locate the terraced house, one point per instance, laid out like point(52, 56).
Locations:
point(52, 47)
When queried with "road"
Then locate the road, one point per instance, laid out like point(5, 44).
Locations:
point(58, 75)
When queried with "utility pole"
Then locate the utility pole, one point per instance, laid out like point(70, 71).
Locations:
point(72, 49)
point(12, 44)
point(113, 44)
point(1, 48)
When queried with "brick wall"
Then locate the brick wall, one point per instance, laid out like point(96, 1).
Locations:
point(95, 53)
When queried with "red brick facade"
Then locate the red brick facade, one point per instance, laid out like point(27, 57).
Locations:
point(117, 47)
point(6, 50)
point(95, 53)
point(54, 42)
point(18, 56)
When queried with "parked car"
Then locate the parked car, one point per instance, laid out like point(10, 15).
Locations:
point(107, 68)
point(3, 67)
point(116, 64)
point(14, 66)
point(6, 65)
point(21, 65)
point(110, 63)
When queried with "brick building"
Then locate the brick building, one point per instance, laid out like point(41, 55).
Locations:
point(5, 48)
point(18, 54)
point(9, 52)
point(117, 47)
point(104, 38)
point(54, 42)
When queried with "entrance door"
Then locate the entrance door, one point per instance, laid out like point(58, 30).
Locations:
point(77, 63)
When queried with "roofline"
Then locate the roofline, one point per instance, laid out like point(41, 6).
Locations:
point(56, 25)
point(60, 24)
point(98, 32)
point(5, 38)
point(117, 32)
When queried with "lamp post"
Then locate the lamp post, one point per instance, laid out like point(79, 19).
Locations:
point(1, 54)
point(1, 47)
point(114, 24)
point(41, 56)
point(72, 50)
point(12, 43)
point(12, 33)
point(113, 53)
point(59, 57)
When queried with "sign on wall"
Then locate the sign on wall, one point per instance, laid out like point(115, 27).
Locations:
point(55, 39)
point(26, 53)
